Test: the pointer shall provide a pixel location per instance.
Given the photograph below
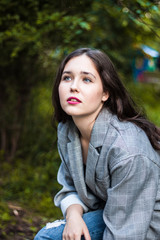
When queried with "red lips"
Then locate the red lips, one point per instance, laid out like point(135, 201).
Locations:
point(73, 100)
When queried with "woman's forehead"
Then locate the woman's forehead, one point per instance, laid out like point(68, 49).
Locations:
point(82, 62)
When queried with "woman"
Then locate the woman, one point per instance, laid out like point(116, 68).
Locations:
point(110, 170)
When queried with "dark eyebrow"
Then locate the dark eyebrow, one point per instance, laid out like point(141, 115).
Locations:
point(69, 72)
point(88, 73)
point(82, 72)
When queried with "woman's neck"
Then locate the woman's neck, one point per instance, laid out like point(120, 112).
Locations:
point(84, 126)
point(85, 123)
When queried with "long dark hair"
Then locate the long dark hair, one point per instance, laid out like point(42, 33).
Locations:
point(119, 102)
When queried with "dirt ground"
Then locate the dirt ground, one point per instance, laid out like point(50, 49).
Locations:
point(23, 226)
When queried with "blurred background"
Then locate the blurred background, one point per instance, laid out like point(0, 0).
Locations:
point(34, 37)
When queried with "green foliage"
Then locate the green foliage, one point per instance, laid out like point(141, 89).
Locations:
point(32, 180)
point(147, 96)
point(4, 213)
point(33, 186)
point(5, 217)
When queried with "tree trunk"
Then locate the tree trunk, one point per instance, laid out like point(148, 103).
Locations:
point(3, 139)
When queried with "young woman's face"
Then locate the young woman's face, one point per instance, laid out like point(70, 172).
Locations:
point(80, 90)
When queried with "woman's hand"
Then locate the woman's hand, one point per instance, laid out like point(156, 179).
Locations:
point(75, 226)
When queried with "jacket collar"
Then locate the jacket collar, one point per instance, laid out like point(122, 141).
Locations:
point(99, 130)
point(75, 153)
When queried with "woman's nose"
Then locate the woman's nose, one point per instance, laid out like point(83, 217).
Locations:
point(74, 86)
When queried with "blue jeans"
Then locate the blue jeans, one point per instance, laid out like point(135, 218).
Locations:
point(93, 220)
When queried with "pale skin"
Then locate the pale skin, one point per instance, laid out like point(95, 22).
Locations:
point(75, 226)
point(81, 96)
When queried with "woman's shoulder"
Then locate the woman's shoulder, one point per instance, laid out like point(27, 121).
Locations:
point(132, 139)
point(64, 130)
point(62, 126)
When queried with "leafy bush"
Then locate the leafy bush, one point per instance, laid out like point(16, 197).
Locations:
point(147, 96)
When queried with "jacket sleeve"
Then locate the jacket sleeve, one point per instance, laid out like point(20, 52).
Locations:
point(131, 199)
point(67, 195)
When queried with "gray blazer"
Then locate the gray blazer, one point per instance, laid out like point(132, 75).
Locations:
point(122, 176)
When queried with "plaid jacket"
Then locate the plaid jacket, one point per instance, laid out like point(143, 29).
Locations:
point(122, 176)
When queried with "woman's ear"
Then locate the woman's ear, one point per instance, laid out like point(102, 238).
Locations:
point(105, 96)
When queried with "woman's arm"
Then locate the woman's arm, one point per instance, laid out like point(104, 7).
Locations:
point(131, 199)
point(75, 226)
point(67, 195)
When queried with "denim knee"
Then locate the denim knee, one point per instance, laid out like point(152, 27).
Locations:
point(52, 231)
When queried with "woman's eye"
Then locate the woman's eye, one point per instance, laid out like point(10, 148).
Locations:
point(66, 78)
point(87, 80)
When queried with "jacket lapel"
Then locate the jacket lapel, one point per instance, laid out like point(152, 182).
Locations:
point(77, 171)
point(97, 138)
point(92, 159)
point(75, 154)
